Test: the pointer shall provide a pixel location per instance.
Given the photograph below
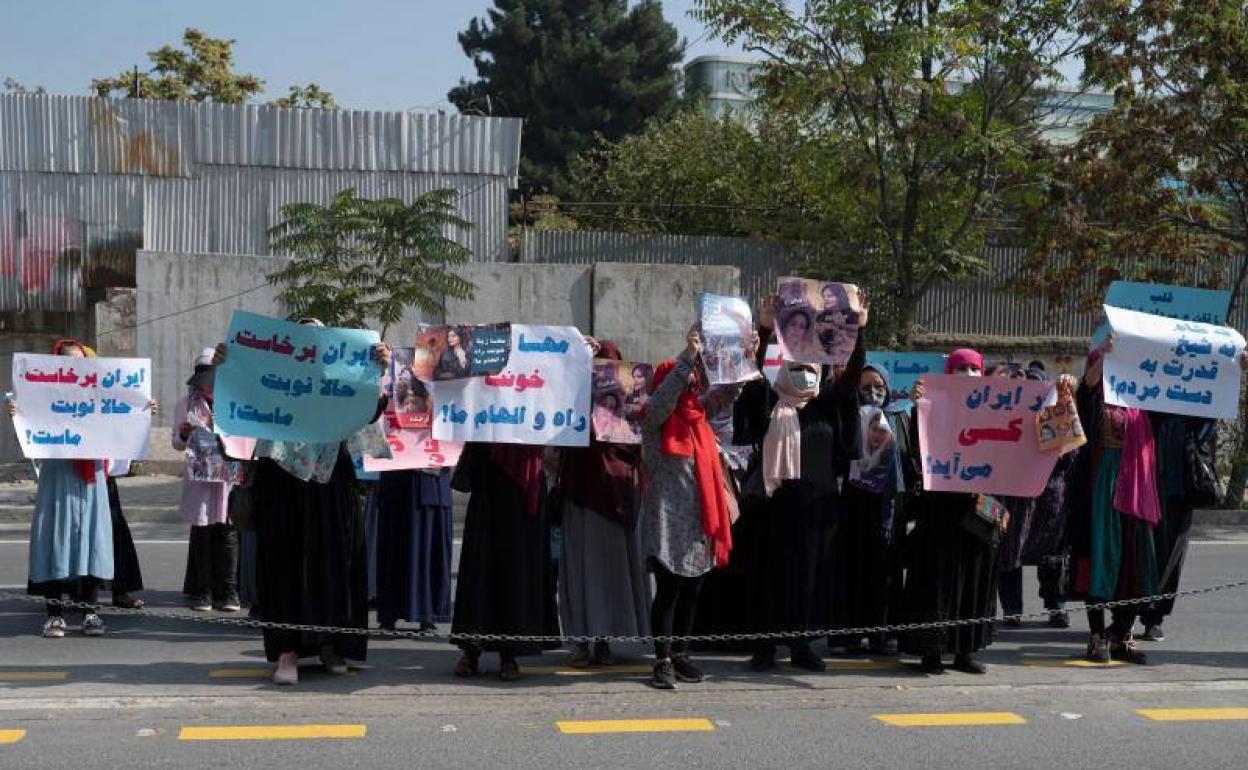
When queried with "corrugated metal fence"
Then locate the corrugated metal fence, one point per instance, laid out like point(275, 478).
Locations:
point(84, 182)
point(981, 306)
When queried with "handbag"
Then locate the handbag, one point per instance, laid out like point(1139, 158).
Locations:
point(986, 520)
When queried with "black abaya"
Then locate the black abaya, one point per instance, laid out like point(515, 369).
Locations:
point(313, 559)
point(127, 576)
point(506, 575)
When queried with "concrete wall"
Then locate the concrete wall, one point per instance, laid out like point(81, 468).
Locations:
point(647, 309)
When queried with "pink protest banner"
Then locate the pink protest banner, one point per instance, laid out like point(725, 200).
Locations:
point(414, 449)
point(979, 434)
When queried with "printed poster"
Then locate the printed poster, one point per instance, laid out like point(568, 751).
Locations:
point(457, 352)
point(410, 405)
point(727, 328)
point(621, 390)
point(1179, 367)
point(206, 462)
point(284, 381)
point(541, 398)
point(979, 434)
point(817, 321)
point(82, 408)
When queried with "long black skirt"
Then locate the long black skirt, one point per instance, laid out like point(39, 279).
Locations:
point(867, 580)
point(127, 576)
point(952, 576)
point(312, 559)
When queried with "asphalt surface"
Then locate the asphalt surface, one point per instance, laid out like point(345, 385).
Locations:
point(142, 695)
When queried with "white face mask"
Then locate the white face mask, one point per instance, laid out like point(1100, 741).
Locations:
point(803, 379)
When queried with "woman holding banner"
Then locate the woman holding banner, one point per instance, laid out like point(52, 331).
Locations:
point(313, 561)
point(685, 518)
point(805, 438)
point(71, 533)
point(1115, 506)
point(952, 573)
point(603, 587)
point(505, 581)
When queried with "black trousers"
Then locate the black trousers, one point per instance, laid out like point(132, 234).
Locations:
point(86, 590)
point(1122, 619)
point(213, 562)
point(673, 608)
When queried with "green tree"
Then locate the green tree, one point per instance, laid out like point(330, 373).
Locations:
point(571, 69)
point(1157, 189)
point(14, 86)
point(203, 72)
point(357, 261)
point(307, 96)
point(933, 105)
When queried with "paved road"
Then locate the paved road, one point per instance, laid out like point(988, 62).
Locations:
point(142, 696)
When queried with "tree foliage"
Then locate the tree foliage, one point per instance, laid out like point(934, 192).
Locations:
point(308, 96)
point(572, 69)
point(202, 71)
point(357, 261)
point(934, 107)
point(14, 86)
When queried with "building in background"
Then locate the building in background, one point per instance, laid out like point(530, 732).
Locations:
point(725, 85)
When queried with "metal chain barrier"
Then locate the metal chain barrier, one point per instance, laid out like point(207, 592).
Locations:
point(381, 633)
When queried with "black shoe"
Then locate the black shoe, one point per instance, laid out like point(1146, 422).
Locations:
point(804, 657)
point(664, 676)
point(968, 665)
point(1126, 651)
point(686, 671)
point(763, 661)
point(1098, 649)
point(1059, 619)
point(886, 647)
point(931, 665)
point(1154, 634)
point(1013, 620)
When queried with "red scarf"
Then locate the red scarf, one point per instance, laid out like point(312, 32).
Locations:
point(687, 434)
point(84, 468)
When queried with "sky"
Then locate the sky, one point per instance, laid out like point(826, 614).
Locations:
point(371, 54)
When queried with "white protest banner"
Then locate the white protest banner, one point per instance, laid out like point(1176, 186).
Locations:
point(542, 397)
point(1179, 367)
point(82, 408)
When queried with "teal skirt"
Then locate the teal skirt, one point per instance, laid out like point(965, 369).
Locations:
point(1123, 562)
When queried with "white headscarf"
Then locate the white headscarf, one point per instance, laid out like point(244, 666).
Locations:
point(782, 446)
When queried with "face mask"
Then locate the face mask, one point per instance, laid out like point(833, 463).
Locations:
point(871, 396)
point(804, 379)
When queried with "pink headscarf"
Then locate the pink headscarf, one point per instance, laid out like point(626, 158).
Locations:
point(963, 357)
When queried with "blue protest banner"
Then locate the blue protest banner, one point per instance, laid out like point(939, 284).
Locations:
point(1182, 303)
point(903, 369)
point(289, 382)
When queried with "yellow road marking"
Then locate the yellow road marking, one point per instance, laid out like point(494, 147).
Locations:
point(1193, 715)
point(1051, 662)
point(11, 736)
point(600, 726)
point(33, 676)
point(952, 719)
point(271, 732)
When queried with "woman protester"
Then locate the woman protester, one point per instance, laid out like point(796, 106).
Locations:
point(1114, 509)
point(952, 573)
point(213, 544)
point(312, 568)
point(603, 586)
point(806, 437)
point(71, 532)
point(127, 574)
point(505, 570)
point(685, 515)
point(1037, 531)
point(870, 567)
point(414, 534)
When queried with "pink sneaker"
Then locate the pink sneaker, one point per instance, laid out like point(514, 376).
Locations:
point(287, 669)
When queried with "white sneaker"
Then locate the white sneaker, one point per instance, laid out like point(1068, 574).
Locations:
point(54, 628)
point(333, 662)
point(92, 625)
point(287, 671)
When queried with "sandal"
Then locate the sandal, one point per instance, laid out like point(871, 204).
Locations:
point(468, 665)
point(508, 670)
